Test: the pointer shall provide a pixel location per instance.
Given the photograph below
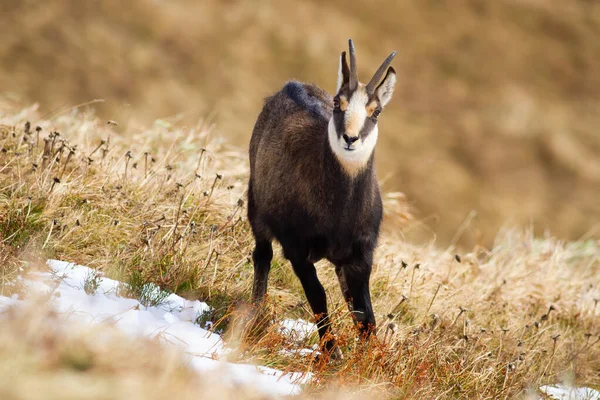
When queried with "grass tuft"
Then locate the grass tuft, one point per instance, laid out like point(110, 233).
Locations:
point(162, 209)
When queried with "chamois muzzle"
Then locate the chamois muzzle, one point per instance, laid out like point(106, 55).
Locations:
point(349, 139)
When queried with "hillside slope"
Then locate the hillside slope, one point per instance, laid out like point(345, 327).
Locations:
point(497, 108)
point(165, 206)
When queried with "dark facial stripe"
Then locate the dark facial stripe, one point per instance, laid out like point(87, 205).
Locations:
point(367, 128)
point(338, 121)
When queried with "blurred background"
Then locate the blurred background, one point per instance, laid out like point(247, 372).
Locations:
point(496, 115)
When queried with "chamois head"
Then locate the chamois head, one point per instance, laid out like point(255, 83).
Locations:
point(356, 107)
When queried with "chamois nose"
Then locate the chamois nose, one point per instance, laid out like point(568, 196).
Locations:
point(350, 139)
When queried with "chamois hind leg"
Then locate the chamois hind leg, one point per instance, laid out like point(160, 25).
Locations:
point(256, 318)
point(263, 250)
point(261, 256)
point(315, 294)
point(356, 273)
point(343, 285)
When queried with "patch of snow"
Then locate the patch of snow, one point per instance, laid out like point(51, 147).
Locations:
point(173, 322)
point(297, 329)
point(562, 392)
point(6, 302)
point(301, 352)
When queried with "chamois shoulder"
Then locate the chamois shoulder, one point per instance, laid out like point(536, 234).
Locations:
point(304, 98)
point(293, 121)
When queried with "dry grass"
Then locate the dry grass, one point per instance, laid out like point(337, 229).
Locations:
point(42, 356)
point(496, 109)
point(166, 205)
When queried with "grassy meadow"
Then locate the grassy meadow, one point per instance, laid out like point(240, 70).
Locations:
point(496, 109)
point(165, 204)
point(124, 129)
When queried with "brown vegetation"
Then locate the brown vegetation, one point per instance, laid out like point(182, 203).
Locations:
point(497, 106)
point(165, 205)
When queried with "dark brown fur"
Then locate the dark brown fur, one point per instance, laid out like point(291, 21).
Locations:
point(300, 195)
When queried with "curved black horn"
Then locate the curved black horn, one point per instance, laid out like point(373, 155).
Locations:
point(377, 77)
point(353, 83)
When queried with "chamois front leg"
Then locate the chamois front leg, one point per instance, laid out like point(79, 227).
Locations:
point(317, 299)
point(356, 273)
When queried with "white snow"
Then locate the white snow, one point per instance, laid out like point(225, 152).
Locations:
point(562, 392)
point(297, 329)
point(173, 322)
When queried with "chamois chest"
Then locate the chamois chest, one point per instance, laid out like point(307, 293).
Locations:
point(345, 219)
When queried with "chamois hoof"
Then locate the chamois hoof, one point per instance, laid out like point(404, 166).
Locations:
point(336, 354)
point(329, 351)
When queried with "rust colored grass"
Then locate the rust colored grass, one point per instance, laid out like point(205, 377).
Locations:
point(166, 205)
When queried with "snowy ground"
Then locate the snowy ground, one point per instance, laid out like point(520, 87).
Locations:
point(563, 392)
point(172, 322)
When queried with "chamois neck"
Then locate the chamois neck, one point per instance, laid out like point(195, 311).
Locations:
point(338, 171)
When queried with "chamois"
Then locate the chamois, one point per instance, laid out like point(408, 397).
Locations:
point(313, 187)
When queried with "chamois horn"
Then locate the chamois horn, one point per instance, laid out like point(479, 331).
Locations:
point(353, 82)
point(379, 73)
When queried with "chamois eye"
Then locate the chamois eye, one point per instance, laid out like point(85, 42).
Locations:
point(336, 103)
point(376, 113)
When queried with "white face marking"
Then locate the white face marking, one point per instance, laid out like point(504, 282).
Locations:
point(355, 160)
point(356, 112)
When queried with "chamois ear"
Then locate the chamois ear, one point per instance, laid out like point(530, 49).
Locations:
point(386, 88)
point(343, 72)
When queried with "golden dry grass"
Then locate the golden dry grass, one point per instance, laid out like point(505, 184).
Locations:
point(165, 204)
point(42, 356)
point(496, 109)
